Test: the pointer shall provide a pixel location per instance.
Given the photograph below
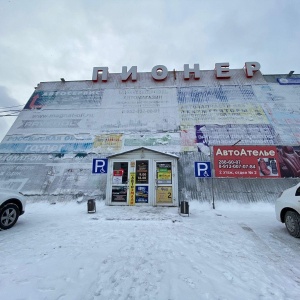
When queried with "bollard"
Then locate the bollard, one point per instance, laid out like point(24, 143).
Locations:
point(91, 206)
point(184, 208)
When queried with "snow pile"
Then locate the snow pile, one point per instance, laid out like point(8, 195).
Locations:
point(234, 252)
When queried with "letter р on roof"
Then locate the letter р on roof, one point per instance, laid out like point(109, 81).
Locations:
point(250, 68)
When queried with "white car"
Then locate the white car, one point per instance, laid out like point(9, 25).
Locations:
point(12, 205)
point(287, 208)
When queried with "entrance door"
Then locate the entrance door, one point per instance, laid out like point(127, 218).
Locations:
point(142, 181)
point(164, 183)
point(119, 190)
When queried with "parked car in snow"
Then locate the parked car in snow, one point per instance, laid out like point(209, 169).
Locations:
point(12, 205)
point(287, 208)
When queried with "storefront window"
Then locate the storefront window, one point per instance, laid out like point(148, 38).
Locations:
point(120, 172)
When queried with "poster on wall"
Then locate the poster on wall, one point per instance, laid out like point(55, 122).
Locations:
point(66, 99)
point(108, 143)
point(221, 113)
point(169, 141)
point(164, 194)
point(117, 180)
point(141, 194)
point(141, 171)
point(164, 173)
point(117, 176)
point(228, 134)
point(119, 194)
point(246, 161)
point(139, 109)
point(188, 139)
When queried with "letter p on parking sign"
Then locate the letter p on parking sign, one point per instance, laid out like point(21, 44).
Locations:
point(99, 166)
point(202, 169)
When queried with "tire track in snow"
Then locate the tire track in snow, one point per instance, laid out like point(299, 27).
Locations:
point(271, 257)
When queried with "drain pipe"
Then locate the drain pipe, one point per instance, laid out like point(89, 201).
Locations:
point(213, 194)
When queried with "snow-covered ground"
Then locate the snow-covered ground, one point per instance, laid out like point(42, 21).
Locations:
point(233, 252)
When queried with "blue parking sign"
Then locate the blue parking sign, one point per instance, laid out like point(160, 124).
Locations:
point(202, 169)
point(99, 165)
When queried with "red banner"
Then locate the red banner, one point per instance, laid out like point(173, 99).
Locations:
point(246, 161)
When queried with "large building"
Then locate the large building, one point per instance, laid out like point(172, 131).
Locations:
point(158, 137)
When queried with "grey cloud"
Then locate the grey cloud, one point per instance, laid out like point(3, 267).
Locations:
point(47, 40)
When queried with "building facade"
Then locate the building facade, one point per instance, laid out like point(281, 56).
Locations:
point(236, 136)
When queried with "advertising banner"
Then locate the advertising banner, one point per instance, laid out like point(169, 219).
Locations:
point(139, 109)
point(141, 171)
point(160, 141)
point(288, 80)
point(119, 194)
point(246, 161)
point(65, 99)
point(46, 147)
point(219, 105)
point(108, 143)
point(249, 134)
point(221, 113)
point(188, 139)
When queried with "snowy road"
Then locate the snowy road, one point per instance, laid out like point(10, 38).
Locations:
point(234, 252)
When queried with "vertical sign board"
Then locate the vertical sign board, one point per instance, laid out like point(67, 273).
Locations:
point(202, 169)
point(246, 161)
point(132, 189)
point(99, 166)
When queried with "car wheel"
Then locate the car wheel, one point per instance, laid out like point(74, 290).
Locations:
point(9, 215)
point(292, 223)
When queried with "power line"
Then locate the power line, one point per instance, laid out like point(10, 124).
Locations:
point(11, 110)
point(11, 106)
point(9, 113)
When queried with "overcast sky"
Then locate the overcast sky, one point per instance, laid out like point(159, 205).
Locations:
point(44, 40)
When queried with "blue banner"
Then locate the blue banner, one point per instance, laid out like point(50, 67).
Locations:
point(141, 194)
point(286, 81)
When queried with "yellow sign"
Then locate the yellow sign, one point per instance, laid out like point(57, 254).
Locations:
point(108, 142)
point(132, 189)
point(164, 176)
point(164, 194)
